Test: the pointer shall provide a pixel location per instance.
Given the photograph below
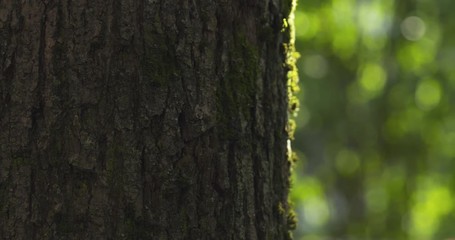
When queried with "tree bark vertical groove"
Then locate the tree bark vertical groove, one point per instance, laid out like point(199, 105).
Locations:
point(128, 119)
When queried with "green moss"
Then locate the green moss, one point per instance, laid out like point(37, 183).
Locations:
point(291, 219)
point(288, 212)
point(293, 87)
point(291, 128)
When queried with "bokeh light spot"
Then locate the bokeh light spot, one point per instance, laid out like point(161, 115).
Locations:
point(377, 199)
point(373, 78)
point(433, 200)
point(345, 44)
point(413, 28)
point(347, 162)
point(428, 94)
point(315, 66)
point(316, 212)
point(307, 25)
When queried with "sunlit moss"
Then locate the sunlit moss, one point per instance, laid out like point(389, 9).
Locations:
point(291, 57)
point(290, 128)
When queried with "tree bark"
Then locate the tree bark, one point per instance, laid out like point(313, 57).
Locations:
point(143, 119)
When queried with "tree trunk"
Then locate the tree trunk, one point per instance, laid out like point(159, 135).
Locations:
point(143, 119)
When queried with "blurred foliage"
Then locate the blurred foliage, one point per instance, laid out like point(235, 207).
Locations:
point(376, 128)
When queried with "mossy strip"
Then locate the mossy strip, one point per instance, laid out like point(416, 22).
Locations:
point(291, 56)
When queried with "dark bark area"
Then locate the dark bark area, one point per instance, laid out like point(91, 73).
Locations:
point(129, 119)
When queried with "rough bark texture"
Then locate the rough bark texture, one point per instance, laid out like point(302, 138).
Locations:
point(133, 119)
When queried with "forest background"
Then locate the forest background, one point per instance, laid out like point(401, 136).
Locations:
point(376, 128)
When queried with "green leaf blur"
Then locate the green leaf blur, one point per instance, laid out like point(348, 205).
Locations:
point(376, 128)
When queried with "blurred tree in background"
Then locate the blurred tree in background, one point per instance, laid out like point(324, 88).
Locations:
point(376, 128)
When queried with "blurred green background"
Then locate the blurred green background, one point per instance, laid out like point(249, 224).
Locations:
point(376, 127)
